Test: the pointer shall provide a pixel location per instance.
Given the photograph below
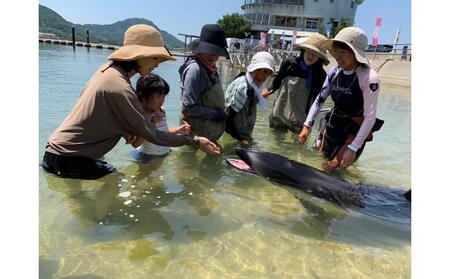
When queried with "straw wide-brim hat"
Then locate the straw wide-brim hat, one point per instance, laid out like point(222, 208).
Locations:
point(355, 38)
point(313, 43)
point(262, 60)
point(141, 41)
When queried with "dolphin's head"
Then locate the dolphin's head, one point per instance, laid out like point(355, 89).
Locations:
point(259, 160)
point(268, 165)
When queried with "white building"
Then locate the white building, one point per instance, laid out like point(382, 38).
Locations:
point(302, 15)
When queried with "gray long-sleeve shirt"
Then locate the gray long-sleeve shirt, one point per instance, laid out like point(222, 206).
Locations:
point(195, 79)
point(106, 110)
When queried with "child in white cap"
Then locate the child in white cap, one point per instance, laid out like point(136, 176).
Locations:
point(244, 93)
point(354, 88)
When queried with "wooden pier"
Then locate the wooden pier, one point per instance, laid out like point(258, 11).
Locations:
point(84, 44)
point(174, 52)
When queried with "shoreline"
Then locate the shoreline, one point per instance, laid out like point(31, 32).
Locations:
point(393, 72)
point(390, 69)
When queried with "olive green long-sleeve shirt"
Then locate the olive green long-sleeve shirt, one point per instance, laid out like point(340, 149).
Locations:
point(106, 110)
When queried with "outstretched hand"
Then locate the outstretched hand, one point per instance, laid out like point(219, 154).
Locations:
point(304, 135)
point(266, 92)
point(184, 129)
point(348, 158)
point(207, 145)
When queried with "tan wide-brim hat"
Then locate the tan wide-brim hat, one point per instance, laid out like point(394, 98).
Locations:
point(141, 41)
point(355, 38)
point(313, 43)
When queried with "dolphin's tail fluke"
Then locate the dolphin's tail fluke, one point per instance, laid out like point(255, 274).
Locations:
point(407, 195)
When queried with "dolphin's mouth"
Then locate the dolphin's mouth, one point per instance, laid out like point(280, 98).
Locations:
point(243, 154)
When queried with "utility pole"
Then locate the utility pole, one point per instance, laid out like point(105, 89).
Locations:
point(88, 44)
point(397, 38)
point(73, 36)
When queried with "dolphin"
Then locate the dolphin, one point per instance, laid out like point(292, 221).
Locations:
point(374, 200)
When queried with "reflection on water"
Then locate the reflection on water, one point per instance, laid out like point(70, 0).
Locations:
point(190, 215)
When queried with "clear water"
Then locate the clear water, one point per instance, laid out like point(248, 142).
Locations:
point(192, 216)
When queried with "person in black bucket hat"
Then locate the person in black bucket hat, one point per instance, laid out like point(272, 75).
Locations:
point(212, 41)
point(202, 97)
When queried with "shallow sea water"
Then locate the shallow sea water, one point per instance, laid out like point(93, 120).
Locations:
point(190, 215)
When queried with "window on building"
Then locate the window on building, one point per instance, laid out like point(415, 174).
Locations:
point(251, 18)
point(262, 19)
point(280, 21)
point(331, 1)
point(298, 2)
point(265, 19)
point(311, 23)
point(352, 5)
point(291, 21)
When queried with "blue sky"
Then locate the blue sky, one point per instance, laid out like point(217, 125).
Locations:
point(176, 16)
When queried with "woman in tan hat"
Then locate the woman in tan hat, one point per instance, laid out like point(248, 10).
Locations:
point(202, 98)
point(354, 88)
point(109, 109)
point(297, 84)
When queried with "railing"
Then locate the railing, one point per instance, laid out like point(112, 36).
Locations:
point(242, 58)
point(294, 2)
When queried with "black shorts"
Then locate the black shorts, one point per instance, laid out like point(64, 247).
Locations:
point(79, 167)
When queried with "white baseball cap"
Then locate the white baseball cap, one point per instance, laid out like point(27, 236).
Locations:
point(261, 60)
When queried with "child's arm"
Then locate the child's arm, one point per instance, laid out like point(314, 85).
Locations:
point(137, 142)
point(184, 129)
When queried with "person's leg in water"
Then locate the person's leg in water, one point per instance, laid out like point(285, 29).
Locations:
point(77, 167)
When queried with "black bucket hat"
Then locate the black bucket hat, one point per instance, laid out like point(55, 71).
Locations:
point(212, 41)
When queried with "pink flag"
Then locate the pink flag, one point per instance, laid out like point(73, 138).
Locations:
point(375, 41)
point(294, 38)
point(262, 42)
point(375, 33)
point(378, 21)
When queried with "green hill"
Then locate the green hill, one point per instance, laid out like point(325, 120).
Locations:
point(52, 22)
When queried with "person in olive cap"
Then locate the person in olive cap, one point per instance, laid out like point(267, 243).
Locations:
point(354, 88)
point(202, 96)
point(297, 84)
point(108, 109)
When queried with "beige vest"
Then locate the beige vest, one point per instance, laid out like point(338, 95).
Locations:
point(213, 130)
point(290, 103)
